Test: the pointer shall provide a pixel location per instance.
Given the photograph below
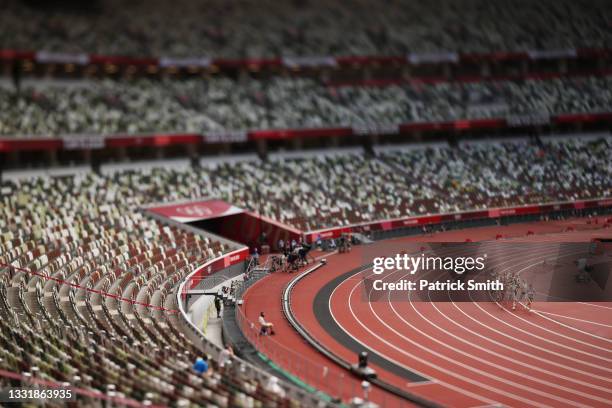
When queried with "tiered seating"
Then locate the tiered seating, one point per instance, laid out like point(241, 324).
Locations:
point(88, 296)
point(502, 175)
point(88, 283)
point(353, 188)
point(265, 28)
point(342, 188)
point(345, 188)
point(333, 189)
point(195, 106)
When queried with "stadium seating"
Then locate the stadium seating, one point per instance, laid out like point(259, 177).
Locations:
point(87, 295)
point(342, 188)
point(339, 188)
point(355, 188)
point(88, 282)
point(502, 175)
point(196, 106)
point(265, 28)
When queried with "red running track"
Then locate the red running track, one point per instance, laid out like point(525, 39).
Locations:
point(474, 353)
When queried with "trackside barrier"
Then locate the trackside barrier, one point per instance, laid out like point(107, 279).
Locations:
point(523, 213)
point(304, 371)
point(191, 331)
point(309, 374)
point(286, 300)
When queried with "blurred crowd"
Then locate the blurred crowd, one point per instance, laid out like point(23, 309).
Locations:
point(221, 104)
point(486, 175)
point(341, 188)
point(88, 297)
point(268, 28)
point(113, 328)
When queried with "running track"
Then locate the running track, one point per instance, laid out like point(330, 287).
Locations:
point(466, 353)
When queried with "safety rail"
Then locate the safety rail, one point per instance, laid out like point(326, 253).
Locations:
point(253, 274)
point(250, 266)
point(303, 371)
point(255, 265)
point(215, 280)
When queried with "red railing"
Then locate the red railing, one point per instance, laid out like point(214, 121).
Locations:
point(543, 208)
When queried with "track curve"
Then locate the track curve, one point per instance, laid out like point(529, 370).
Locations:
point(460, 353)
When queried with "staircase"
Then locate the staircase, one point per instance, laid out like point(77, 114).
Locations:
point(258, 271)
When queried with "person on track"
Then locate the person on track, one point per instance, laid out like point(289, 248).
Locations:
point(511, 293)
point(255, 256)
point(267, 328)
point(332, 244)
point(519, 289)
point(281, 245)
point(501, 295)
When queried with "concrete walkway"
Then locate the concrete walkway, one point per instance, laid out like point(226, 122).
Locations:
point(204, 315)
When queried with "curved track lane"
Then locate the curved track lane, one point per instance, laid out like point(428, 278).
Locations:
point(515, 358)
point(459, 354)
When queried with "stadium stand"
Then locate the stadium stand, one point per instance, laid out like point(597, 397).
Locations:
point(195, 106)
point(345, 188)
point(89, 282)
point(255, 29)
point(92, 285)
point(499, 175)
point(89, 295)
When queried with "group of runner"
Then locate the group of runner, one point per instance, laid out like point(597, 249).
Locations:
point(515, 290)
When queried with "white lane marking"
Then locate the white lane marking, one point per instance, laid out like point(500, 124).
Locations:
point(419, 359)
point(533, 356)
point(573, 349)
point(575, 318)
point(597, 366)
point(607, 390)
point(483, 361)
point(604, 349)
point(596, 305)
point(470, 380)
point(529, 344)
point(532, 345)
point(461, 312)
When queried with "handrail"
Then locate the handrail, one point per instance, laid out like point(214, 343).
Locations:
point(250, 266)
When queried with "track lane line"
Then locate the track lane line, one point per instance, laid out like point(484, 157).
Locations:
point(401, 351)
point(421, 360)
point(483, 361)
point(603, 349)
point(573, 318)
